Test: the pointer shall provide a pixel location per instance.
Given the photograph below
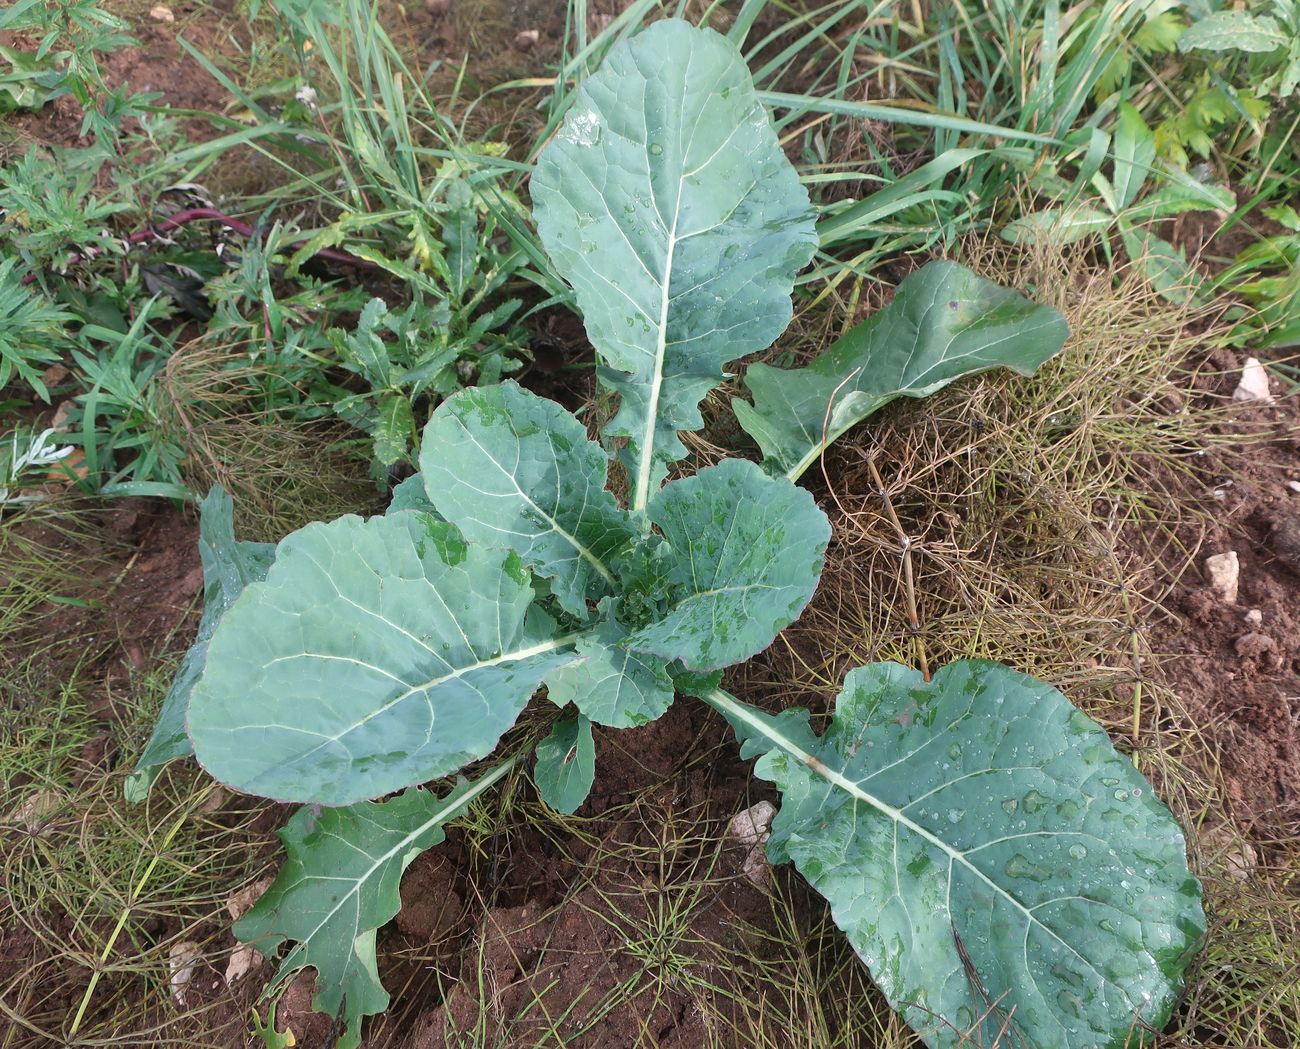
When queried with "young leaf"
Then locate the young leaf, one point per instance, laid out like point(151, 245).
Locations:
point(1135, 152)
point(394, 429)
point(610, 684)
point(1058, 226)
point(1165, 266)
point(1181, 193)
point(460, 235)
point(228, 566)
point(363, 350)
point(339, 884)
point(943, 323)
point(566, 764)
point(1005, 874)
point(746, 554)
point(665, 200)
point(376, 654)
point(517, 471)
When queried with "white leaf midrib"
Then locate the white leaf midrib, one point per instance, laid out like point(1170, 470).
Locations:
point(734, 708)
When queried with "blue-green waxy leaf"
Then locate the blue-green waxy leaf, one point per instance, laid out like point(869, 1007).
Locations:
point(609, 683)
point(339, 884)
point(229, 565)
point(1006, 875)
point(746, 552)
point(665, 200)
point(517, 471)
point(375, 655)
point(410, 495)
point(944, 322)
point(566, 764)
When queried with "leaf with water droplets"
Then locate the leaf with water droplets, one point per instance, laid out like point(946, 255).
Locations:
point(514, 470)
point(376, 654)
point(1008, 877)
point(745, 555)
point(667, 203)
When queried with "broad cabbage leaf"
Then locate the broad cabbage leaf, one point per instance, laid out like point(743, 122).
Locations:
point(375, 655)
point(514, 470)
point(745, 554)
point(667, 204)
point(1005, 874)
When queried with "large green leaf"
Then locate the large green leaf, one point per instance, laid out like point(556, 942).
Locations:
point(609, 683)
point(665, 200)
point(943, 323)
point(339, 884)
point(376, 654)
point(746, 553)
point(229, 565)
point(517, 471)
point(1006, 875)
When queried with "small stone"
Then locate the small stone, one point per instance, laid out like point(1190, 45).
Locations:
point(244, 960)
point(1225, 845)
point(239, 904)
point(751, 827)
point(1254, 617)
point(1294, 486)
point(62, 412)
point(527, 39)
point(161, 13)
point(1224, 571)
point(35, 810)
point(54, 375)
point(1253, 385)
point(183, 959)
point(213, 802)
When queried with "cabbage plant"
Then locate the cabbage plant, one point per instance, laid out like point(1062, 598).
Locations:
point(1001, 869)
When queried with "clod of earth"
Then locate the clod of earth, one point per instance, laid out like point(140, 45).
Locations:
point(1284, 540)
point(751, 828)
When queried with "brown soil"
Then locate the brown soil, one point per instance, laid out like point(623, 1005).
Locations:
point(1236, 665)
point(493, 946)
point(141, 578)
point(159, 64)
